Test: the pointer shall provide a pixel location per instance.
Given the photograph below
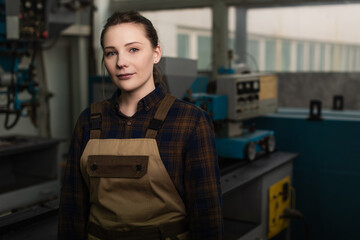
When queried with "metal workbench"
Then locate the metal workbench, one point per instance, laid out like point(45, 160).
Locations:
point(245, 194)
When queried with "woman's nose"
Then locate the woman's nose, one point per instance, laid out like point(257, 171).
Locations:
point(121, 62)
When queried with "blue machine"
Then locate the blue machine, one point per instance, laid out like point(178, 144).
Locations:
point(213, 103)
point(233, 140)
point(247, 145)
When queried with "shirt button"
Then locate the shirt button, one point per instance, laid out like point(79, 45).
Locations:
point(147, 108)
point(128, 123)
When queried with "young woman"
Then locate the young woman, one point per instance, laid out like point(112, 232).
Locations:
point(142, 165)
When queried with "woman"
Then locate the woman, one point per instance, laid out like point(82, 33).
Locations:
point(142, 165)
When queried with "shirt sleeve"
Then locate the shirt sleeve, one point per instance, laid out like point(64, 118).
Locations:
point(202, 183)
point(74, 198)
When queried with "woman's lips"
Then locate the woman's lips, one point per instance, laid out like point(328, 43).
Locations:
point(125, 76)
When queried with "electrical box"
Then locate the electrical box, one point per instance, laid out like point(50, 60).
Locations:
point(279, 200)
point(249, 95)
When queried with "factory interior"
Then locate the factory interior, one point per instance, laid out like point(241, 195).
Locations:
point(279, 78)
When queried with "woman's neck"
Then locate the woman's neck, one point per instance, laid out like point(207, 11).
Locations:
point(128, 101)
point(128, 106)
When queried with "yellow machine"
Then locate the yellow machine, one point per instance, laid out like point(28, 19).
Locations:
point(279, 200)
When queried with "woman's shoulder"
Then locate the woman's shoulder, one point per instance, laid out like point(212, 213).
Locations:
point(101, 107)
point(189, 109)
point(187, 105)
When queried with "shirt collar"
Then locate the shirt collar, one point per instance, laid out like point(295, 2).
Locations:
point(149, 101)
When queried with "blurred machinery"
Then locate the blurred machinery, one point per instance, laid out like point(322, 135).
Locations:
point(28, 164)
point(240, 97)
point(29, 167)
point(237, 97)
point(178, 74)
point(22, 28)
point(249, 95)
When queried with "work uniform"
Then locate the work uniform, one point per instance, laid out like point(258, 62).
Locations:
point(132, 179)
point(131, 193)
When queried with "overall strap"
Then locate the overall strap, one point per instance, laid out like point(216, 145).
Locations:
point(160, 115)
point(95, 120)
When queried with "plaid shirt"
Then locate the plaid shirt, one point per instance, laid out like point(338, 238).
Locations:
point(187, 149)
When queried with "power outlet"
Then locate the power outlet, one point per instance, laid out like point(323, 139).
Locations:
point(279, 200)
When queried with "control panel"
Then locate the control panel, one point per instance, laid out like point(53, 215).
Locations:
point(249, 95)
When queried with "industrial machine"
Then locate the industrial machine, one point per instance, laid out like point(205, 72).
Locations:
point(22, 28)
point(249, 95)
point(240, 97)
point(29, 166)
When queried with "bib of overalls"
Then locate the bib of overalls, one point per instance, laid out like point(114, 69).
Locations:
point(129, 185)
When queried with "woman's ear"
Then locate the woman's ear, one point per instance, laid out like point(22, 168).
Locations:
point(157, 54)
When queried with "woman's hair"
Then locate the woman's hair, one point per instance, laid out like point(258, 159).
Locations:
point(134, 17)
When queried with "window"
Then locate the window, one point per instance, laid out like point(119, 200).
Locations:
point(204, 52)
point(285, 55)
point(347, 58)
point(312, 57)
point(354, 58)
point(332, 57)
point(322, 57)
point(231, 43)
point(183, 50)
point(357, 59)
point(300, 57)
point(270, 59)
point(253, 47)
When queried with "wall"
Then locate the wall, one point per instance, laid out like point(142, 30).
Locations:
point(332, 23)
point(297, 89)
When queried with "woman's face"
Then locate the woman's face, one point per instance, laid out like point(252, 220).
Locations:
point(129, 58)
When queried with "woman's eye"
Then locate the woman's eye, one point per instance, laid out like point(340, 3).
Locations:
point(109, 54)
point(134, 50)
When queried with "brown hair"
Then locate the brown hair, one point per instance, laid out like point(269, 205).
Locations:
point(134, 17)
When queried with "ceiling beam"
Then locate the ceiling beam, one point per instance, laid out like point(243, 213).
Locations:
point(148, 5)
point(282, 3)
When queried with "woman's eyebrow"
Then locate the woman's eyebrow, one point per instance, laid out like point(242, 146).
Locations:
point(132, 43)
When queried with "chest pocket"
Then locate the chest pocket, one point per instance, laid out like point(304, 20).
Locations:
point(111, 166)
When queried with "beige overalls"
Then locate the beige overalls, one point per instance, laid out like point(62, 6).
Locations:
point(131, 194)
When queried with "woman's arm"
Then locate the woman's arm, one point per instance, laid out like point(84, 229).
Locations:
point(74, 199)
point(202, 182)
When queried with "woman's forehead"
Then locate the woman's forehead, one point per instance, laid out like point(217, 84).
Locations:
point(125, 32)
